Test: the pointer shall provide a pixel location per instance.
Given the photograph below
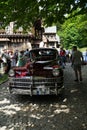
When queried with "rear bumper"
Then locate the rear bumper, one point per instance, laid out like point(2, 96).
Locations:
point(36, 85)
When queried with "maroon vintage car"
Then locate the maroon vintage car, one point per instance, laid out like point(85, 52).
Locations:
point(41, 75)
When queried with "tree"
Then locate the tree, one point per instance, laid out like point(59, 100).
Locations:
point(74, 31)
point(24, 12)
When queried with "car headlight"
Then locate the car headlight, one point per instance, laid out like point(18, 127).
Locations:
point(11, 73)
point(55, 72)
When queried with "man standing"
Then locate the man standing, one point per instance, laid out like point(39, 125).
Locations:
point(77, 59)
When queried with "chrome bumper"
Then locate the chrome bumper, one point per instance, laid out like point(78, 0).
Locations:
point(35, 85)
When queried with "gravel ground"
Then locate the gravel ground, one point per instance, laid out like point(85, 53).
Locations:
point(46, 112)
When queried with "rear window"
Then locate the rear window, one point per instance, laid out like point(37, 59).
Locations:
point(48, 54)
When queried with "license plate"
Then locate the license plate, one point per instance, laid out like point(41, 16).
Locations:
point(43, 91)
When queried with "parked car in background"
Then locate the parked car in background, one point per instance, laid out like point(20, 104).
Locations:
point(41, 75)
point(85, 56)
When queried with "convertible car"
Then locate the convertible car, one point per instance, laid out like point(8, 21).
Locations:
point(41, 75)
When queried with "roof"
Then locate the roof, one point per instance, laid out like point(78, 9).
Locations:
point(50, 29)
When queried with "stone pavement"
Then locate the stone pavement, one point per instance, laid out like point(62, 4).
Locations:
point(46, 112)
point(70, 76)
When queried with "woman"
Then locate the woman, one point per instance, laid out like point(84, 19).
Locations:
point(21, 59)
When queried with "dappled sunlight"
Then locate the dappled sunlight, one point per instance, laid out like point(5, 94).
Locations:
point(32, 107)
point(74, 90)
point(8, 108)
point(18, 126)
point(3, 128)
point(84, 126)
point(4, 101)
point(51, 116)
point(37, 116)
point(62, 108)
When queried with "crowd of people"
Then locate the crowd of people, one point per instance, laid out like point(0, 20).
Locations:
point(11, 59)
point(65, 56)
point(76, 58)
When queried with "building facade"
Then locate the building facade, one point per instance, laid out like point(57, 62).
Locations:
point(15, 41)
point(50, 37)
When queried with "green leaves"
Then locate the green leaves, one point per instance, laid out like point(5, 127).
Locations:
point(52, 11)
point(74, 32)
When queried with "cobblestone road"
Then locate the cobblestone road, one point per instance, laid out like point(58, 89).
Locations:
point(46, 112)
